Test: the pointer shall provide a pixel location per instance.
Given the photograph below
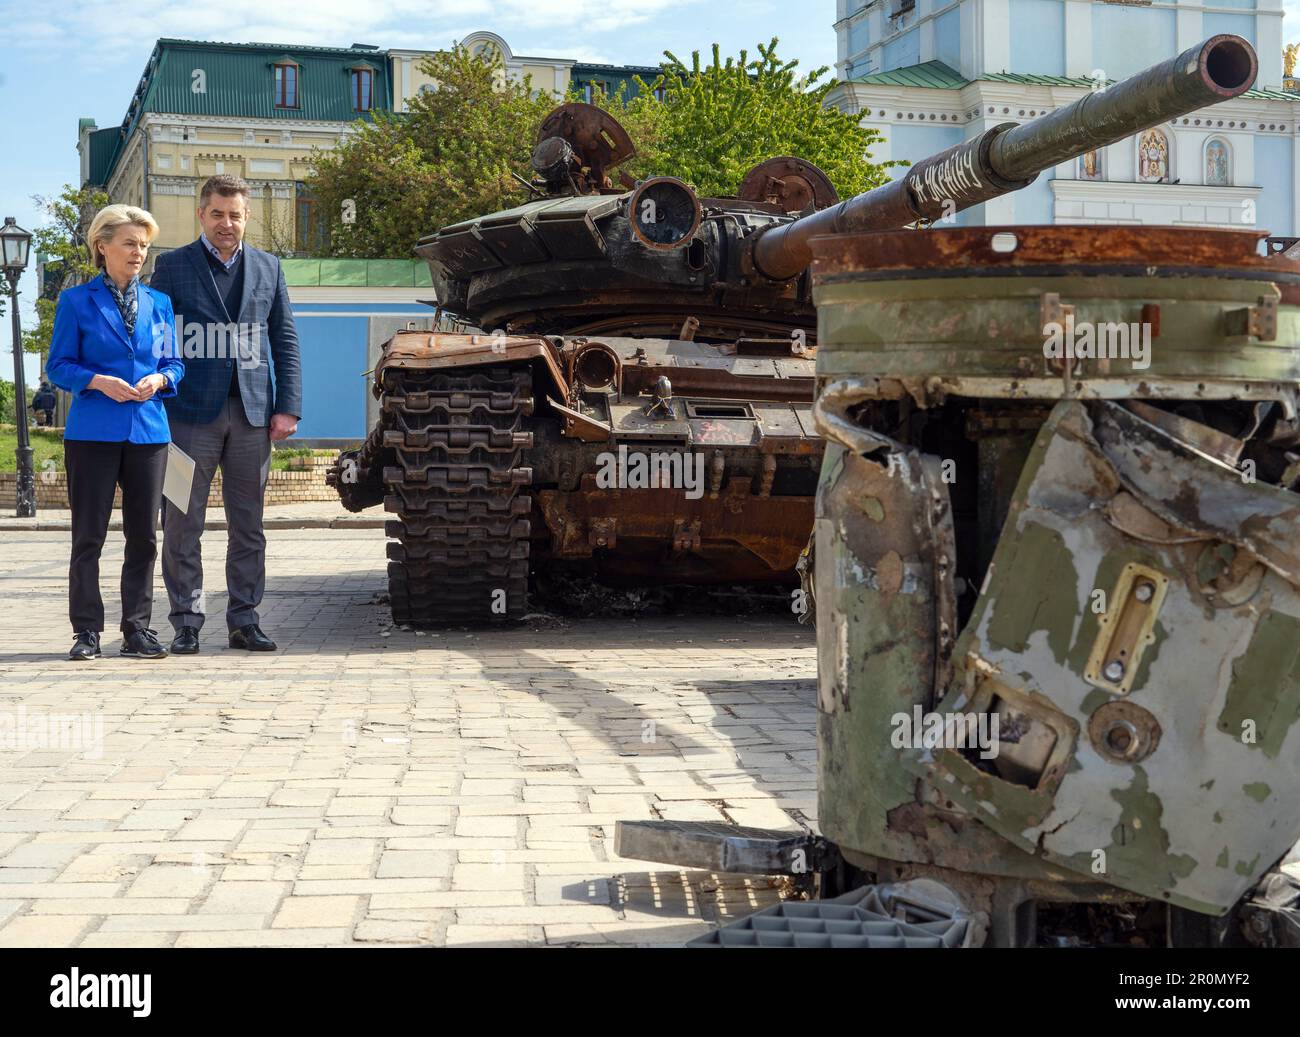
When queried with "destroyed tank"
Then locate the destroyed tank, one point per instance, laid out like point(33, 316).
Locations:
point(628, 399)
point(1056, 569)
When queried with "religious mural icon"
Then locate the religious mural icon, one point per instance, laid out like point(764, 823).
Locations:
point(1153, 157)
point(1218, 171)
point(1090, 166)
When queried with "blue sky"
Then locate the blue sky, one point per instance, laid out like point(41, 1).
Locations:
point(69, 59)
point(66, 60)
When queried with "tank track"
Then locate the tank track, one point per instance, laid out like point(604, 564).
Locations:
point(457, 439)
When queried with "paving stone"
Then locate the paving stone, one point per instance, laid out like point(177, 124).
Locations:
point(487, 876)
point(392, 931)
point(264, 938)
point(408, 864)
point(44, 930)
point(491, 935)
point(455, 788)
point(170, 880)
point(234, 898)
point(325, 912)
point(497, 827)
point(180, 923)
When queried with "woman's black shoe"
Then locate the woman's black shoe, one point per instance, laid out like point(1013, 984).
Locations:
point(85, 647)
point(142, 644)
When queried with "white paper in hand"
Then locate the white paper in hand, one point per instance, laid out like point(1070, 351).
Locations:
point(179, 477)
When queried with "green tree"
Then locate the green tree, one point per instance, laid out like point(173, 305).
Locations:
point(718, 121)
point(452, 157)
point(449, 158)
point(67, 261)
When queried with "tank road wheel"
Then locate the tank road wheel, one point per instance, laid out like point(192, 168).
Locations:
point(462, 529)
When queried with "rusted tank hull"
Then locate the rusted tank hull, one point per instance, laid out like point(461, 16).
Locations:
point(1097, 552)
point(632, 460)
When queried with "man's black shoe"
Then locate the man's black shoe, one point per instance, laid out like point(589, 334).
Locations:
point(143, 644)
point(251, 639)
point(85, 647)
point(186, 641)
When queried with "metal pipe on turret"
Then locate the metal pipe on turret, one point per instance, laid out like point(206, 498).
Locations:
point(1010, 156)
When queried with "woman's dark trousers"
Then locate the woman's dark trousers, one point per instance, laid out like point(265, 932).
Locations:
point(95, 470)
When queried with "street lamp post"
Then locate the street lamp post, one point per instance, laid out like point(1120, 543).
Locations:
point(14, 246)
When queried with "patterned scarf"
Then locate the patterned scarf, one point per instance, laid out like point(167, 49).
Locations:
point(126, 301)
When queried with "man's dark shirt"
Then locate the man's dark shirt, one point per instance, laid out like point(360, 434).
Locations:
point(230, 286)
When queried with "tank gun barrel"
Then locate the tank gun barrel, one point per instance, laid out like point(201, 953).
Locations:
point(1010, 156)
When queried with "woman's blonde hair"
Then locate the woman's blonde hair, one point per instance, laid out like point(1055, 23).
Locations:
point(106, 222)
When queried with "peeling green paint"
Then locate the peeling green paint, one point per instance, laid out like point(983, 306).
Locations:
point(1265, 685)
point(1247, 868)
point(1046, 593)
point(1139, 839)
point(1222, 860)
point(1257, 790)
point(873, 508)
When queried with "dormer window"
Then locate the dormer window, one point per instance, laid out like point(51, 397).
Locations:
point(363, 80)
point(286, 84)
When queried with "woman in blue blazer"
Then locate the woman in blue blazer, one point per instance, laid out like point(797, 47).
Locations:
point(114, 349)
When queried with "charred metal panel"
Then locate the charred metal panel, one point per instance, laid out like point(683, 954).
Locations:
point(1181, 797)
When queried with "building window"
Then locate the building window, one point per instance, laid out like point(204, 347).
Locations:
point(660, 93)
point(593, 89)
point(311, 233)
point(286, 85)
point(1153, 157)
point(1218, 163)
point(362, 89)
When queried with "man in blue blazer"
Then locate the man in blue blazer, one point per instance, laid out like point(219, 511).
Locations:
point(242, 389)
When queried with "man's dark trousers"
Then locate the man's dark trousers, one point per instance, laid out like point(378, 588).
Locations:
point(220, 418)
point(243, 453)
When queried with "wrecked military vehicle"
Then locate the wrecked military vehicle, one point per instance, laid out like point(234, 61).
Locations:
point(1056, 569)
point(637, 409)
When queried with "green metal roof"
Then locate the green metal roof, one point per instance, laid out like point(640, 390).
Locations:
point(931, 75)
point(104, 145)
point(1272, 95)
point(935, 75)
point(240, 81)
point(356, 273)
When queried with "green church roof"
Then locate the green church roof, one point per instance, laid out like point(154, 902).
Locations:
point(935, 75)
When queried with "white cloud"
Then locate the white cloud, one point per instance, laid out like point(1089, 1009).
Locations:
point(97, 28)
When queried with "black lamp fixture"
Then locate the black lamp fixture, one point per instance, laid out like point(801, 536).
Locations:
point(15, 247)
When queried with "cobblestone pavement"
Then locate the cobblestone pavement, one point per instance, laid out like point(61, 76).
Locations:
point(366, 786)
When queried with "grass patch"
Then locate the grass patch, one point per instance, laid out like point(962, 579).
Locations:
point(294, 459)
point(46, 446)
